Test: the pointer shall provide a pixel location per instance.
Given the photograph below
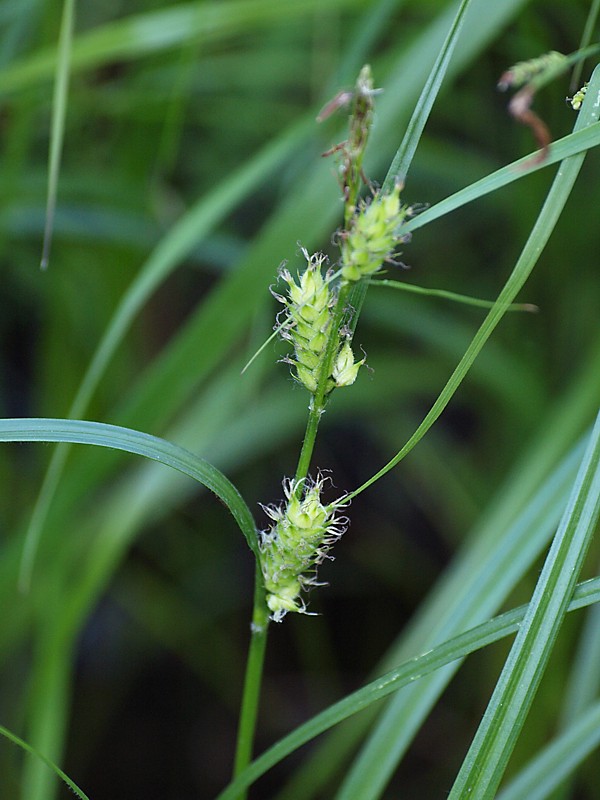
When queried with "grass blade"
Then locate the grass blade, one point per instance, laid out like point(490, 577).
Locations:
point(402, 160)
point(50, 764)
point(558, 760)
point(446, 295)
point(570, 145)
point(456, 648)
point(59, 111)
point(117, 438)
point(547, 219)
point(496, 737)
point(187, 232)
point(377, 762)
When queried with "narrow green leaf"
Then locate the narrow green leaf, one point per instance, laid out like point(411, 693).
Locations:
point(586, 37)
point(187, 232)
point(402, 160)
point(458, 647)
point(59, 111)
point(446, 295)
point(582, 688)
point(497, 553)
point(376, 763)
point(545, 223)
point(505, 716)
point(573, 143)
point(50, 764)
point(544, 775)
point(143, 444)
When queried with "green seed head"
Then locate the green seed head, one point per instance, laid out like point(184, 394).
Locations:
point(307, 316)
point(302, 533)
point(311, 294)
point(525, 71)
point(372, 237)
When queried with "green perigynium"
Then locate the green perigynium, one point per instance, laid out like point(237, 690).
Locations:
point(372, 236)
point(302, 533)
point(345, 368)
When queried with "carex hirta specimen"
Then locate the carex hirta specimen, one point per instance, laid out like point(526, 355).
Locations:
point(315, 321)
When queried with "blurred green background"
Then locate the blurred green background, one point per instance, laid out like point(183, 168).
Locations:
point(190, 146)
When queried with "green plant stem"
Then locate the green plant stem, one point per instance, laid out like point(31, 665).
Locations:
point(59, 112)
point(260, 620)
point(253, 678)
point(319, 399)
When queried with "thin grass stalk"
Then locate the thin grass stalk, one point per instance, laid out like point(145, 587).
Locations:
point(402, 160)
point(318, 401)
point(537, 240)
point(59, 112)
point(253, 678)
point(374, 767)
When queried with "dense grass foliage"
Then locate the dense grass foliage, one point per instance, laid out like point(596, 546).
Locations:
point(185, 166)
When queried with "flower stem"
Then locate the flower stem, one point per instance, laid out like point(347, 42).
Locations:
point(319, 399)
point(253, 678)
point(352, 177)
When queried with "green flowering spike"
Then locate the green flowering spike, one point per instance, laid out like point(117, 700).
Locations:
point(526, 71)
point(298, 541)
point(577, 99)
point(372, 236)
point(307, 316)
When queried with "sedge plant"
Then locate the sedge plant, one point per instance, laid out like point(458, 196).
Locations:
point(553, 497)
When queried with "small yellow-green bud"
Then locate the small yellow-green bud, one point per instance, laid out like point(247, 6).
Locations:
point(578, 98)
point(372, 237)
point(298, 541)
point(307, 377)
